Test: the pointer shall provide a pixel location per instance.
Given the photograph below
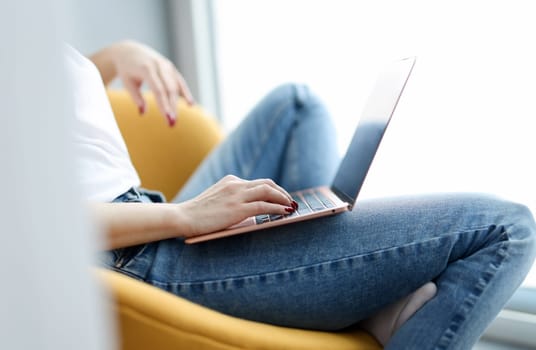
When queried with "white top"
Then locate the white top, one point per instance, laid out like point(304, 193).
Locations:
point(103, 164)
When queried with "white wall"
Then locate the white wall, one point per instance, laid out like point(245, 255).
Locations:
point(48, 298)
point(97, 23)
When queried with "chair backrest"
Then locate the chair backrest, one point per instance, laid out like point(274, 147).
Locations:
point(164, 157)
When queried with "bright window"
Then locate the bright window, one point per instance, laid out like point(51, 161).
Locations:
point(465, 120)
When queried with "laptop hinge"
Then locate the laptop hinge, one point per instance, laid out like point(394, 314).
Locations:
point(343, 197)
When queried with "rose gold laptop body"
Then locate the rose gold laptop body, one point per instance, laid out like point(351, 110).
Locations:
point(341, 196)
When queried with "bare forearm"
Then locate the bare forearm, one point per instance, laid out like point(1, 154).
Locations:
point(128, 224)
point(228, 202)
point(104, 61)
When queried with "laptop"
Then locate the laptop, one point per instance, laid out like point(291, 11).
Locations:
point(342, 194)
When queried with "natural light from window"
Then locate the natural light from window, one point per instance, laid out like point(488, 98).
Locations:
point(465, 121)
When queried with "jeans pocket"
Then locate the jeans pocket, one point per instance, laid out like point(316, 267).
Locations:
point(125, 255)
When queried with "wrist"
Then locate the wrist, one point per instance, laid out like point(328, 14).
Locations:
point(182, 221)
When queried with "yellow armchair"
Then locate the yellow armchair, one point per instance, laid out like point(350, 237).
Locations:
point(149, 318)
point(164, 157)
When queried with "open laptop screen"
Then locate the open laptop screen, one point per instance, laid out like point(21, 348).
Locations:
point(376, 115)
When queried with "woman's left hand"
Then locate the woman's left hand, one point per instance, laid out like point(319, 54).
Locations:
point(136, 64)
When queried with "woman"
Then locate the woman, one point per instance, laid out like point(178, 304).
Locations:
point(418, 272)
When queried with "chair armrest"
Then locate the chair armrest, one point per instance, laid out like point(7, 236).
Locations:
point(150, 318)
point(164, 157)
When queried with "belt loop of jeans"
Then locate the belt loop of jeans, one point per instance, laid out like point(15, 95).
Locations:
point(135, 191)
point(154, 196)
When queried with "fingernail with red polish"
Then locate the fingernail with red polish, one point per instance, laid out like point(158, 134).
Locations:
point(295, 205)
point(141, 109)
point(171, 120)
point(290, 210)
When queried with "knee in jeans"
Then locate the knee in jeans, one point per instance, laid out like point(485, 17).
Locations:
point(524, 231)
point(527, 216)
point(512, 218)
point(295, 95)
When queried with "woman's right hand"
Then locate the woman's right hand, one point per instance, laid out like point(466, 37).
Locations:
point(230, 201)
point(136, 64)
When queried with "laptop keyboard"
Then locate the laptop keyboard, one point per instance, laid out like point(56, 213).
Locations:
point(308, 202)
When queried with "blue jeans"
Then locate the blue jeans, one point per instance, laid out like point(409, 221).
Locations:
point(330, 273)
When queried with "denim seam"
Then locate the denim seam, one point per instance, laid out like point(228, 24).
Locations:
point(247, 170)
point(469, 302)
point(304, 267)
point(126, 272)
